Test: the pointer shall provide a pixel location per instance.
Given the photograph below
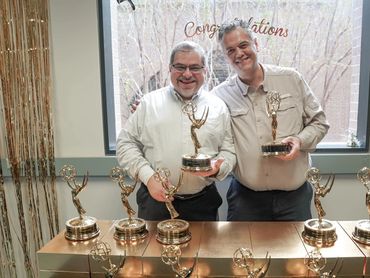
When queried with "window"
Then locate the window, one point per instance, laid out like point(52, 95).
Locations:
point(322, 39)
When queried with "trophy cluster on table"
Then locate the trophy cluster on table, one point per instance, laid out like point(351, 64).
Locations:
point(174, 232)
point(132, 229)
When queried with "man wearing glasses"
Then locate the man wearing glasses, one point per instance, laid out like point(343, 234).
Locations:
point(157, 135)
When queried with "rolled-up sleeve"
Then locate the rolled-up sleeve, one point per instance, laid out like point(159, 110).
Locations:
point(315, 124)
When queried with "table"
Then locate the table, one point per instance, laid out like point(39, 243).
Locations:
point(212, 247)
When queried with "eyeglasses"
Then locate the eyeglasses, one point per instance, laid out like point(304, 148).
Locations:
point(192, 68)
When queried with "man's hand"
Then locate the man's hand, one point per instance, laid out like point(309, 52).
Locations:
point(156, 190)
point(295, 145)
point(215, 163)
point(134, 105)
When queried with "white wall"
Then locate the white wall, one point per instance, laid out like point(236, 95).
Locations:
point(76, 70)
point(78, 118)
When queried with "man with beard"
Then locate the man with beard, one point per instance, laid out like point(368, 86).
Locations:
point(158, 133)
point(267, 188)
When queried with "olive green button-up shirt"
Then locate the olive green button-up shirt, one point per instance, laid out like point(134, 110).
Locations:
point(299, 114)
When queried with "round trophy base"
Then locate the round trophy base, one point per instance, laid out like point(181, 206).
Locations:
point(275, 149)
point(80, 229)
point(133, 229)
point(173, 231)
point(196, 163)
point(319, 234)
point(362, 232)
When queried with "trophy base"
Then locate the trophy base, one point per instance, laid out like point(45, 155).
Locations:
point(319, 234)
point(362, 232)
point(275, 149)
point(133, 229)
point(79, 229)
point(196, 163)
point(173, 231)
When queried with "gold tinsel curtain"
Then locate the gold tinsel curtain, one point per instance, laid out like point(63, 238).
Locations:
point(28, 200)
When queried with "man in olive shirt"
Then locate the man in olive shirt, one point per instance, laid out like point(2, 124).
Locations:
point(267, 188)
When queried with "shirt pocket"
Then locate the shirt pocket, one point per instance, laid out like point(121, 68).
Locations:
point(240, 112)
point(289, 119)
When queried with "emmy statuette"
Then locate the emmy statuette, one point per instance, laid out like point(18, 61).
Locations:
point(196, 162)
point(362, 228)
point(82, 227)
point(171, 231)
point(319, 232)
point(101, 253)
point(317, 263)
point(129, 229)
point(171, 255)
point(243, 258)
point(272, 106)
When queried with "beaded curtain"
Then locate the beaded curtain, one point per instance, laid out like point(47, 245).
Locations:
point(28, 199)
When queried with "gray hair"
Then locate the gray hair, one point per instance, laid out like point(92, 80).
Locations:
point(231, 25)
point(187, 46)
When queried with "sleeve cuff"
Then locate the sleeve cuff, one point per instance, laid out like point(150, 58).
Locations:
point(145, 173)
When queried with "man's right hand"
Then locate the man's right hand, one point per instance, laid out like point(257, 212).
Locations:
point(156, 190)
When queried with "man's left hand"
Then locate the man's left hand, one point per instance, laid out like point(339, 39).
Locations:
point(216, 164)
point(295, 145)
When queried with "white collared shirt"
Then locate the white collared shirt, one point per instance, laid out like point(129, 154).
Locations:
point(157, 135)
point(299, 114)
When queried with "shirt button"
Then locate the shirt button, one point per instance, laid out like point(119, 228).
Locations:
point(267, 174)
point(260, 137)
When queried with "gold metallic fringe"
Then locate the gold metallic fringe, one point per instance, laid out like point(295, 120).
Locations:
point(27, 128)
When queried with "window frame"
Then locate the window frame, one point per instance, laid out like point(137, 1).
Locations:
point(363, 118)
point(106, 76)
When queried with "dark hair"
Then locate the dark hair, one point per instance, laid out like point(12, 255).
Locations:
point(187, 46)
point(231, 25)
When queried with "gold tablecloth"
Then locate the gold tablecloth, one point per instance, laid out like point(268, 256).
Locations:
point(212, 246)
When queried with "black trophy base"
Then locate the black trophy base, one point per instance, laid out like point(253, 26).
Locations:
point(319, 234)
point(173, 231)
point(362, 232)
point(130, 230)
point(79, 229)
point(275, 149)
point(196, 163)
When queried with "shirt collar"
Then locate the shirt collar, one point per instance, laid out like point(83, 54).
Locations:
point(245, 88)
point(180, 98)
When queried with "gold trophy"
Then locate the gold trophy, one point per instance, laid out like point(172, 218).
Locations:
point(101, 253)
point(171, 231)
point(362, 228)
point(82, 227)
point(196, 162)
point(319, 232)
point(171, 255)
point(128, 229)
point(272, 106)
point(243, 258)
point(317, 263)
